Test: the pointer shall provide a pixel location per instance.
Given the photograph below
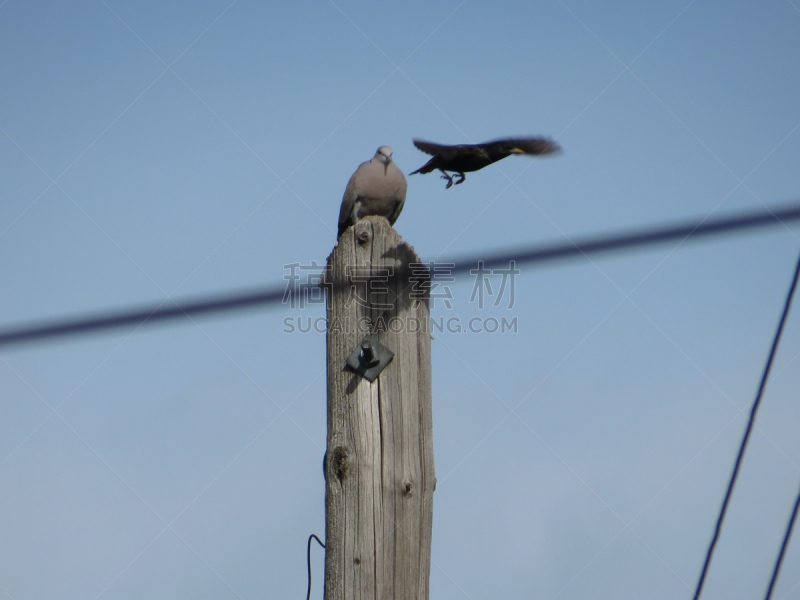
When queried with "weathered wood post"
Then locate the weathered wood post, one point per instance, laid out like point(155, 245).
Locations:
point(379, 462)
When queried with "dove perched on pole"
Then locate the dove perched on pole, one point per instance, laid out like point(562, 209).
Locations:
point(377, 187)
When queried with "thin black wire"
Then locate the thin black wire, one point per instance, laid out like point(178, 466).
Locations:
point(461, 266)
point(147, 315)
point(308, 557)
point(643, 237)
point(749, 429)
point(787, 536)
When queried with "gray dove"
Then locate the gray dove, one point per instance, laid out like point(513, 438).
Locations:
point(377, 187)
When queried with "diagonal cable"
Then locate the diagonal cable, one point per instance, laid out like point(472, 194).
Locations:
point(756, 403)
point(54, 182)
point(275, 294)
point(786, 537)
point(81, 384)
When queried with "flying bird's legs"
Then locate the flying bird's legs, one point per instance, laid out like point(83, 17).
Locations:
point(449, 179)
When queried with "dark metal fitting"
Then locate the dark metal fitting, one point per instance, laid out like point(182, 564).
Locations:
point(370, 358)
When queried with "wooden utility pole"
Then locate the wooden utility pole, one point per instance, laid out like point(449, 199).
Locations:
point(379, 462)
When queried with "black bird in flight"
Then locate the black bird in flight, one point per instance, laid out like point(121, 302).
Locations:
point(473, 157)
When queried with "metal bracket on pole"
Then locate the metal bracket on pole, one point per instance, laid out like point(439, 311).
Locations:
point(370, 358)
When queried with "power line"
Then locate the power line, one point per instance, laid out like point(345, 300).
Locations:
point(748, 430)
point(639, 238)
point(539, 254)
point(308, 561)
point(786, 537)
point(142, 316)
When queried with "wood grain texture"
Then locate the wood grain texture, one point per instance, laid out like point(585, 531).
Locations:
point(379, 466)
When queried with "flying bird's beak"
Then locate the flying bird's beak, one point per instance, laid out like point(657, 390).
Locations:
point(517, 151)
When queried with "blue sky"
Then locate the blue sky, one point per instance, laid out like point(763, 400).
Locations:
point(156, 150)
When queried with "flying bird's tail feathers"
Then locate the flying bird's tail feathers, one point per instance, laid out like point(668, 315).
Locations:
point(423, 169)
